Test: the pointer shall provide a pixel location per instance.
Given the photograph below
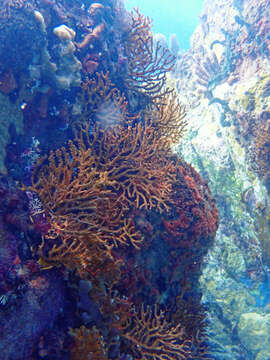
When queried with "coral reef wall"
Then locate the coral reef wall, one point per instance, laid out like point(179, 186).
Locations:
point(103, 228)
point(225, 77)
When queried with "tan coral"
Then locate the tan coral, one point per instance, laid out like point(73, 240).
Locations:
point(88, 189)
point(168, 118)
point(152, 337)
point(102, 103)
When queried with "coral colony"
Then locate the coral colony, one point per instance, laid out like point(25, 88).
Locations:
point(103, 228)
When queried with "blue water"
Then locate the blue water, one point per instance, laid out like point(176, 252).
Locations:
point(178, 17)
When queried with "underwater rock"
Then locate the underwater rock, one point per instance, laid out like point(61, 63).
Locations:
point(254, 330)
point(7, 82)
point(36, 310)
point(234, 159)
point(9, 114)
point(263, 355)
point(17, 55)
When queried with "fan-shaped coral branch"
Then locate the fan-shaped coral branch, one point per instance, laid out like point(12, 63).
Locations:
point(153, 338)
point(147, 64)
point(102, 102)
point(87, 188)
point(87, 257)
point(79, 197)
point(135, 160)
point(168, 118)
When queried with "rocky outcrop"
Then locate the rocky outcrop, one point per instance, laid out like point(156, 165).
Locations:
point(253, 329)
point(225, 77)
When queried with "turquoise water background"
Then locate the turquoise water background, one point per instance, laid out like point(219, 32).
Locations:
point(176, 16)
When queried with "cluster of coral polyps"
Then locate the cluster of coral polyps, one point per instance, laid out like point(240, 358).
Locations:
point(118, 221)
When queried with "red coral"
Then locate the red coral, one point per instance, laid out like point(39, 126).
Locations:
point(197, 216)
point(191, 229)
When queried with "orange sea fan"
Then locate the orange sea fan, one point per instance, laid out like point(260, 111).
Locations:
point(136, 162)
point(89, 189)
point(151, 337)
point(79, 196)
point(167, 116)
point(102, 103)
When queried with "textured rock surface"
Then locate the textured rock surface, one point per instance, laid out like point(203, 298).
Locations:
point(225, 77)
point(9, 114)
point(254, 331)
